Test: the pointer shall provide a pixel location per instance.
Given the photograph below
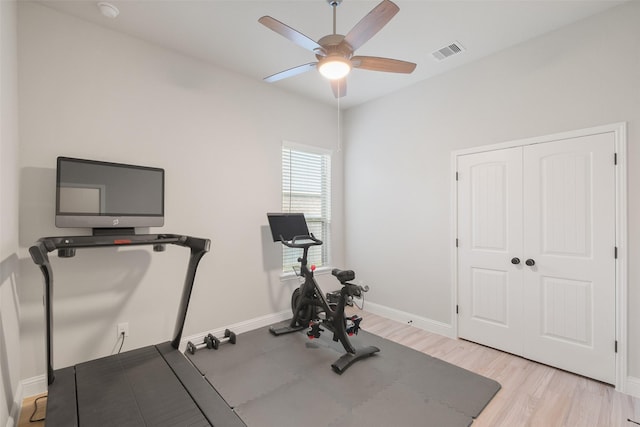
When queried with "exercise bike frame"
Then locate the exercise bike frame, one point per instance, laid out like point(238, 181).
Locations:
point(311, 296)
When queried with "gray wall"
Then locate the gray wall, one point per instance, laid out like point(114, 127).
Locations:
point(399, 150)
point(9, 264)
point(93, 93)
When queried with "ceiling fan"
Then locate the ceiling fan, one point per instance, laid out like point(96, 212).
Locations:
point(335, 51)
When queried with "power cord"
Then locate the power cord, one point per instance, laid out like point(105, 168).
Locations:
point(631, 421)
point(35, 409)
point(122, 335)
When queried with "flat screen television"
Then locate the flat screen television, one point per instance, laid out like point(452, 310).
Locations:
point(103, 195)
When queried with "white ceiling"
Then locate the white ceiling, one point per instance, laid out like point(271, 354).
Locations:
point(227, 33)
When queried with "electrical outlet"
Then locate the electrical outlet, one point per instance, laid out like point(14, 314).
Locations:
point(123, 327)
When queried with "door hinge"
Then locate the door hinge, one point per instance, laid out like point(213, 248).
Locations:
point(615, 252)
point(615, 346)
point(615, 158)
point(457, 309)
point(456, 243)
point(456, 176)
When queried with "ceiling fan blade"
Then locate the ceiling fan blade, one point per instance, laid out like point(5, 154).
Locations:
point(290, 72)
point(291, 34)
point(371, 24)
point(374, 63)
point(339, 87)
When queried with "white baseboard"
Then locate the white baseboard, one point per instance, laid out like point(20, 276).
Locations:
point(238, 328)
point(26, 388)
point(381, 310)
point(33, 386)
point(38, 384)
point(14, 415)
point(408, 318)
point(11, 420)
point(633, 387)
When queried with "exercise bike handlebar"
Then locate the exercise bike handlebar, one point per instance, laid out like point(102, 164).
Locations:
point(301, 242)
point(355, 290)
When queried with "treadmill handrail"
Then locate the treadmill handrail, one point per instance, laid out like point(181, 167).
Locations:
point(49, 244)
point(39, 255)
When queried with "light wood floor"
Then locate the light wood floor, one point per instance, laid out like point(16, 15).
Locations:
point(28, 406)
point(531, 394)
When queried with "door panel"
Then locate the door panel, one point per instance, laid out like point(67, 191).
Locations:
point(490, 234)
point(565, 201)
point(567, 310)
point(489, 206)
point(569, 231)
point(489, 296)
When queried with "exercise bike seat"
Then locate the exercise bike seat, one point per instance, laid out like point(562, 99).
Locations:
point(343, 275)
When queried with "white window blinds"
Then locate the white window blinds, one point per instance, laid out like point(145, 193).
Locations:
point(306, 185)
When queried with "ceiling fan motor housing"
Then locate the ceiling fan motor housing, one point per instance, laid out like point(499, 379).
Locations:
point(334, 45)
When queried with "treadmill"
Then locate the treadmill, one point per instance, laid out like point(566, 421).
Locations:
point(150, 386)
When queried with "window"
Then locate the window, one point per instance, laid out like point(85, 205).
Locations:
point(306, 187)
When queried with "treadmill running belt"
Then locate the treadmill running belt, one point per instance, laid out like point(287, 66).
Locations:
point(136, 388)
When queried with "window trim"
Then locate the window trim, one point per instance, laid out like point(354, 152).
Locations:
point(295, 146)
point(308, 148)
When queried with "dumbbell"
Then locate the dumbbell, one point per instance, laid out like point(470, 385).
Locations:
point(228, 337)
point(207, 342)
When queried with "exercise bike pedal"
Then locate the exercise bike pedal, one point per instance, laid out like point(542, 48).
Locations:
point(353, 325)
point(314, 330)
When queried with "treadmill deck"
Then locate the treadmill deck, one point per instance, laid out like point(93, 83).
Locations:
point(151, 386)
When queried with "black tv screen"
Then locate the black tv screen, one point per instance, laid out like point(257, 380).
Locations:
point(96, 194)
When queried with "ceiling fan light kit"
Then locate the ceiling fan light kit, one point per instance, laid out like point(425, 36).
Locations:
point(334, 52)
point(334, 67)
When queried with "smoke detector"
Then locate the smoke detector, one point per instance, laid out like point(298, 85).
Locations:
point(108, 10)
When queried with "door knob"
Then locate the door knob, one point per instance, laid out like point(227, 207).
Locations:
point(515, 260)
point(530, 262)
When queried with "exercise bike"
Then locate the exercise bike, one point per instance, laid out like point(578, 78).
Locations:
point(311, 308)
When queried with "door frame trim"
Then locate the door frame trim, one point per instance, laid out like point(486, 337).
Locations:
point(619, 131)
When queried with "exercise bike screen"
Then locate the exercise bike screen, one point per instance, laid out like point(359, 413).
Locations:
point(287, 225)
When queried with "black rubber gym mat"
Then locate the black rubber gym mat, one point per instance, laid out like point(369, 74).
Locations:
point(288, 381)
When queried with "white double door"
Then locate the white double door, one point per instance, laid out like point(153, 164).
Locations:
point(536, 265)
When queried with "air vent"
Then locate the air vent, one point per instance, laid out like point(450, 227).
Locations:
point(448, 51)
